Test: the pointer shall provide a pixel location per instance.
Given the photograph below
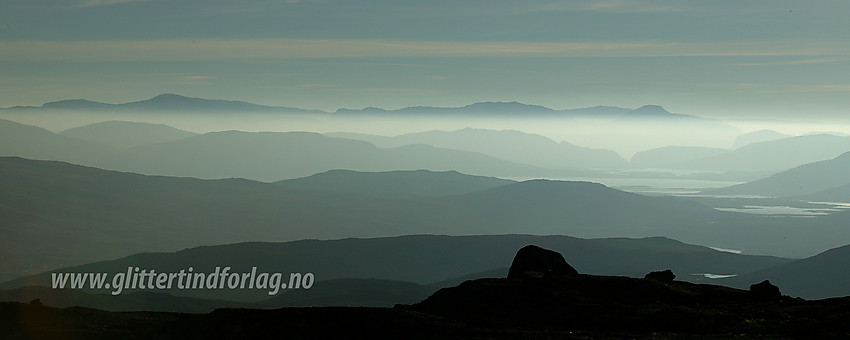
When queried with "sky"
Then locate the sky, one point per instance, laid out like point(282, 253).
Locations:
point(725, 59)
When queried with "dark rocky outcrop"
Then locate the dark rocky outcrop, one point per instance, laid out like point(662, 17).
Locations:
point(541, 294)
point(665, 276)
point(542, 303)
point(765, 291)
point(533, 261)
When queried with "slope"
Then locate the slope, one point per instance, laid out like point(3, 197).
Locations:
point(57, 214)
point(125, 135)
point(34, 142)
point(817, 277)
point(777, 155)
point(394, 183)
point(273, 156)
point(511, 145)
point(803, 180)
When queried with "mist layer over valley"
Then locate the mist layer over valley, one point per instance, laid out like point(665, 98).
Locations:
point(168, 181)
point(418, 169)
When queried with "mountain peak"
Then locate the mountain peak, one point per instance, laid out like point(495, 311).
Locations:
point(498, 108)
point(167, 101)
point(73, 104)
point(169, 96)
point(651, 110)
point(513, 106)
point(173, 99)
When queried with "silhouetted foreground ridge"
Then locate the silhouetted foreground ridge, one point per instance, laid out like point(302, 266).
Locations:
point(543, 292)
point(542, 297)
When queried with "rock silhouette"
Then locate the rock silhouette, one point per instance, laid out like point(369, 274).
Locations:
point(540, 293)
point(765, 290)
point(541, 305)
point(661, 276)
point(533, 261)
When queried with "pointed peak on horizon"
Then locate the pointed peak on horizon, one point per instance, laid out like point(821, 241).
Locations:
point(652, 109)
point(173, 97)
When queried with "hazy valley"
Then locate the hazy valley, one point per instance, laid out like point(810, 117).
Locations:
point(388, 219)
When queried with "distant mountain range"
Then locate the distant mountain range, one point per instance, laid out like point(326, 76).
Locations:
point(158, 149)
point(769, 156)
point(627, 130)
point(758, 136)
point(394, 184)
point(36, 143)
point(507, 144)
point(758, 159)
point(166, 102)
point(818, 181)
point(482, 108)
point(76, 214)
point(161, 150)
point(273, 156)
point(516, 109)
point(125, 135)
point(175, 102)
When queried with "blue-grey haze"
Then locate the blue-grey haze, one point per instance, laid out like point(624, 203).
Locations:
point(757, 59)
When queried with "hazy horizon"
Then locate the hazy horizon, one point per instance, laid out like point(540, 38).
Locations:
point(392, 150)
point(754, 60)
point(624, 137)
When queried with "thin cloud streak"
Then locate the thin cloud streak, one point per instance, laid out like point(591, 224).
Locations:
point(94, 3)
point(314, 86)
point(262, 49)
point(618, 7)
point(799, 62)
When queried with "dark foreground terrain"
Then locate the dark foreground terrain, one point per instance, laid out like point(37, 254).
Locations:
point(543, 297)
